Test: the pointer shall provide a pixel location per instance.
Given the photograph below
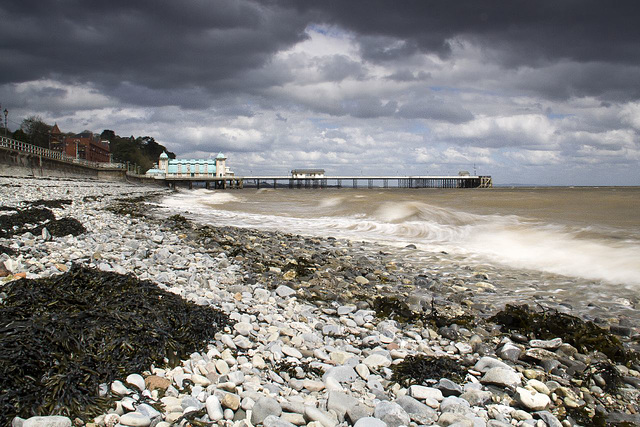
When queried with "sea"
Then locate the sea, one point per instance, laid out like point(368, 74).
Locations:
point(577, 246)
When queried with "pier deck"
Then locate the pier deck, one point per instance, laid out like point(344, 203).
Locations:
point(333, 181)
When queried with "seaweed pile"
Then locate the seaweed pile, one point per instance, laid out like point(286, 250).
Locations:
point(419, 369)
point(63, 336)
point(585, 336)
point(392, 307)
point(17, 222)
point(21, 221)
point(57, 203)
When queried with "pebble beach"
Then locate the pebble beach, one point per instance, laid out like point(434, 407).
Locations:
point(320, 328)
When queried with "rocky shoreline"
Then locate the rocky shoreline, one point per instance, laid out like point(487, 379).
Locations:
point(324, 332)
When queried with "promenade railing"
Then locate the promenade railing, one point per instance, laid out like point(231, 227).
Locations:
point(13, 144)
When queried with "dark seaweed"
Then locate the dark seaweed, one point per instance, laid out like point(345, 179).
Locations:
point(438, 319)
point(290, 368)
point(419, 369)
point(15, 223)
point(585, 336)
point(6, 250)
point(62, 227)
point(582, 417)
point(611, 375)
point(61, 337)
point(58, 203)
point(391, 307)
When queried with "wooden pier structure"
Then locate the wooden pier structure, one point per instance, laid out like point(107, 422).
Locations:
point(333, 182)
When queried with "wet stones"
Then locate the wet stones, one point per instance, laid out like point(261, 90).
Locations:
point(311, 342)
point(532, 400)
point(501, 377)
point(264, 407)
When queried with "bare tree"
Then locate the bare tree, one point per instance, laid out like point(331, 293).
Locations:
point(37, 131)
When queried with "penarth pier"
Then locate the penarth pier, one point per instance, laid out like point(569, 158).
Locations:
point(288, 181)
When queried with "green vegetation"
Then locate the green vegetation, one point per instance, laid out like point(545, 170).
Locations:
point(143, 151)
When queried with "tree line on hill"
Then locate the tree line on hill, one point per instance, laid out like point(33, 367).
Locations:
point(143, 150)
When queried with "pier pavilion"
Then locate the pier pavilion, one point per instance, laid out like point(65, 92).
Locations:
point(207, 170)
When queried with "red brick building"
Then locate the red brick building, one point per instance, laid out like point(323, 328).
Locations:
point(81, 146)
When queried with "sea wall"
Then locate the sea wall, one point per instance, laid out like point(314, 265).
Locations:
point(21, 164)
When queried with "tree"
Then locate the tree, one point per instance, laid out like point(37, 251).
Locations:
point(143, 151)
point(108, 134)
point(20, 135)
point(36, 130)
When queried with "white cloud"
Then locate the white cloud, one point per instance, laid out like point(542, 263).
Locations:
point(630, 115)
point(503, 131)
point(535, 157)
point(54, 95)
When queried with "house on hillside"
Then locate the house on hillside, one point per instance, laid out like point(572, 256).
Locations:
point(190, 168)
point(86, 146)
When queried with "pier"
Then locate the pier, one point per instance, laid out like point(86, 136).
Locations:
point(20, 158)
point(232, 182)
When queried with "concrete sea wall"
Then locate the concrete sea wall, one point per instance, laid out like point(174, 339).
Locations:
point(21, 164)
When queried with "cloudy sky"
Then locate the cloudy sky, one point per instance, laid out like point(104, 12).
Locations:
point(541, 92)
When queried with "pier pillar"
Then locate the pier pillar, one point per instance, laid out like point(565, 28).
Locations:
point(355, 183)
point(339, 183)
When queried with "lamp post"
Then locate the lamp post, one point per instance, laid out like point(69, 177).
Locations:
point(6, 113)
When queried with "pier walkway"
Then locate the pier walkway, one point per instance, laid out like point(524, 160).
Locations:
point(333, 182)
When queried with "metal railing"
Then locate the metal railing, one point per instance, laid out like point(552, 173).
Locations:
point(24, 147)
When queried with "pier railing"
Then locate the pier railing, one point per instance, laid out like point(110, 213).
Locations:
point(483, 181)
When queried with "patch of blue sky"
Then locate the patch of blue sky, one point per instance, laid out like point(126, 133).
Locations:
point(419, 128)
point(326, 30)
point(555, 116)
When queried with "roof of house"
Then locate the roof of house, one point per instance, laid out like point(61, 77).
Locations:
point(164, 155)
point(55, 130)
point(307, 171)
point(221, 156)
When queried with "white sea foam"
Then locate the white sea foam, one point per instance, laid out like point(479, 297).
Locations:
point(499, 239)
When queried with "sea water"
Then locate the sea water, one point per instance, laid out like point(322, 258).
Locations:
point(581, 245)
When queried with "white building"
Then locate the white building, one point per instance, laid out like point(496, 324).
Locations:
point(307, 173)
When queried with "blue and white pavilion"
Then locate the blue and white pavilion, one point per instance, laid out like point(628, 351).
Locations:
point(194, 168)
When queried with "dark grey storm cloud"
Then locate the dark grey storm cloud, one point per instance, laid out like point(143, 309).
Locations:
point(155, 44)
point(525, 31)
point(160, 52)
